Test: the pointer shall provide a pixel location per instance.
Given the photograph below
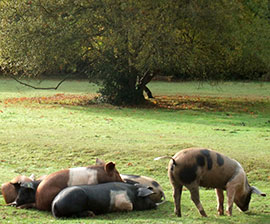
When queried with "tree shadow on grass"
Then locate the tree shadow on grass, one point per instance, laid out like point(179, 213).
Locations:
point(235, 121)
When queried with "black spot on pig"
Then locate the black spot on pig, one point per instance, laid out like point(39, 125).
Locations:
point(220, 160)
point(173, 164)
point(131, 181)
point(206, 153)
point(172, 168)
point(200, 160)
point(155, 184)
point(133, 176)
point(188, 174)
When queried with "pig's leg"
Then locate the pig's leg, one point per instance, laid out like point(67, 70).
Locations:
point(85, 214)
point(177, 192)
point(195, 197)
point(230, 197)
point(231, 190)
point(30, 205)
point(220, 201)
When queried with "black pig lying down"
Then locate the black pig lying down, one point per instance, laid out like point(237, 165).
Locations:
point(25, 194)
point(83, 200)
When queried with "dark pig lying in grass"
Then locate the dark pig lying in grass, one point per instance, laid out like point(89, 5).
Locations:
point(147, 181)
point(194, 167)
point(57, 181)
point(26, 194)
point(84, 200)
point(8, 190)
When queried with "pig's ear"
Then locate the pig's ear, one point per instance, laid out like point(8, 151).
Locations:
point(16, 185)
point(109, 167)
point(255, 190)
point(99, 162)
point(32, 177)
point(144, 192)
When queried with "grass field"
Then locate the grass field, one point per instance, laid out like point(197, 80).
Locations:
point(44, 131)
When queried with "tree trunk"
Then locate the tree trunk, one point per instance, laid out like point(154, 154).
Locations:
point(148, 92)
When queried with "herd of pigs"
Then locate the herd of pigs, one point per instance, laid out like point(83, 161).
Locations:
point(100, 189)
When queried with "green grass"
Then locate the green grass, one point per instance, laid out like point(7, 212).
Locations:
point(42, 138)
point(228, 89)
point(9, 88)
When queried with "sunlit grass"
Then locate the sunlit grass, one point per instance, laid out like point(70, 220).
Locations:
point(44, 137)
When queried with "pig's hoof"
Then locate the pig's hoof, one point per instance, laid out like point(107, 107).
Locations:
point(178, 213)
point(220, 213)
point(203, 213)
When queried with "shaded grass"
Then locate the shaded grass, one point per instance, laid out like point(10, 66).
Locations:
point(226, 89)
point(230, 104)
point(44, 137)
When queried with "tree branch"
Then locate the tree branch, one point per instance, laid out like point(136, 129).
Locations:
point(41, 88)
point(146, 78)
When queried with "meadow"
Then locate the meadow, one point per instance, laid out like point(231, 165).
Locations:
point(42, 131)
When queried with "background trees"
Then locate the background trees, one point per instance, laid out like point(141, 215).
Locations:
point(123, 44)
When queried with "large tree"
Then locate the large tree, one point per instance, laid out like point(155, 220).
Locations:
point(122, 44)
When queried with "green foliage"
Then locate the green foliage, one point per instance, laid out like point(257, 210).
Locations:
point(253, 40)
point(44, 36)
point(122, 44)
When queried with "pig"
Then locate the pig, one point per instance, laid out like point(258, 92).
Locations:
point(26, 194)
point(147, 181)
point(143, 180)
point(194, 167)
point(9, 191)
point(88, 200)
point(59, 180)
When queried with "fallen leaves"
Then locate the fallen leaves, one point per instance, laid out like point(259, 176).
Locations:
point(237, 104)
point(175, 102)
point(61, 99)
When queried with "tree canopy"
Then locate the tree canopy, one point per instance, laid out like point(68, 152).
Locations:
point(123, 44)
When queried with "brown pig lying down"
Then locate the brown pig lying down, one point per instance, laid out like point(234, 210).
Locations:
point(55, 182)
